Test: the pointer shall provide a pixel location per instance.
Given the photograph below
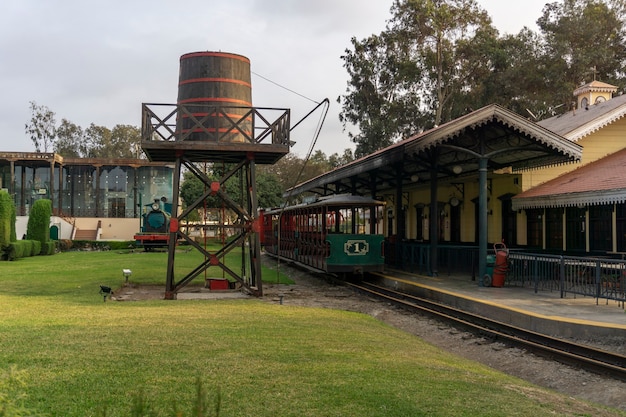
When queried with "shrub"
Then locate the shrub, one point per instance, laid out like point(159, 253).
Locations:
point(49, 248)
point(28, 247)
point(36, 247)
point(119, 245)
point(13, 222)
point(65, 244)
point(6, 207)
point(39, 221)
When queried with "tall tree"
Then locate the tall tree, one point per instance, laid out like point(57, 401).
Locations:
point(70, 141)
point(584, 40)
point(125, 142)
point(41, 127)
point(414, 75)
point(371, 99)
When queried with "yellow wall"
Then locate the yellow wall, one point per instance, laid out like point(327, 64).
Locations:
point(597, 145)
point(420, 194)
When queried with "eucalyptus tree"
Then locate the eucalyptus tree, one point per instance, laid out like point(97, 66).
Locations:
point(417, 73)
point(69, 141)
point(583, 40)
point(41, 128)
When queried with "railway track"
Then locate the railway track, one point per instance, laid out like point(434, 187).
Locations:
point(573, 354)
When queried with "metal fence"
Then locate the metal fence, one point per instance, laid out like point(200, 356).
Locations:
point(601, 278)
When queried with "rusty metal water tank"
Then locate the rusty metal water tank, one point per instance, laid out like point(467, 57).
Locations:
point(215, 86)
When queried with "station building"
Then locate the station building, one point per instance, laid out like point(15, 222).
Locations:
point(492, 176)
point(92, 198)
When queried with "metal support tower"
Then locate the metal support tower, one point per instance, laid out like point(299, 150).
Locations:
point(266, 144)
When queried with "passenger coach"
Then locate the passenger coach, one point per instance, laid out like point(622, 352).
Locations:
point(335, 234)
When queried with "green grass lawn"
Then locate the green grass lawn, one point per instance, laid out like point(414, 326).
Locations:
point(79, 356)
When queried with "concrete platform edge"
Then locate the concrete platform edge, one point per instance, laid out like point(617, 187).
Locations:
point(553, 326)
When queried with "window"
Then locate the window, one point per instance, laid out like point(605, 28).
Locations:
point(534, 225)
point(600, 233)
point(554, 229)
point(575, 229)
point(584, 103)
point(621, 226)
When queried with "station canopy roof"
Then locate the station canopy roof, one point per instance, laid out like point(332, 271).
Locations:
point(505, 138)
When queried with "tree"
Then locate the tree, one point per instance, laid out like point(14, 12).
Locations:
point(125, 142)
point(335, 160)
point(370, 99)
point(583, 40)
point(6, 209)
point(440, 59)
point(38, 227)
point(269, 189)
point(70, 140)
point(415, 73)
point(42, 127)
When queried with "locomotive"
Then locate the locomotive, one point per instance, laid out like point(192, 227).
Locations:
point(335, 234)
point(155, 225)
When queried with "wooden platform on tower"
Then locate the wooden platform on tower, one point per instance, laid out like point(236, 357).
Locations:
point(238, 138)
point(214, 133)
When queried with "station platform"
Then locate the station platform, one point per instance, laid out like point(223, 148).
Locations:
point(545, 312)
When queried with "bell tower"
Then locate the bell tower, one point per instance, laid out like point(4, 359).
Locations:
point(592, 93)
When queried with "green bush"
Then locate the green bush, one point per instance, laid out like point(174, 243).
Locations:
point(118, 245)
point(49, 248)
point(21, 249)
point(13, 222)
point(39, 221)
point(6, 207)
point(28, 247)
point(36, 247)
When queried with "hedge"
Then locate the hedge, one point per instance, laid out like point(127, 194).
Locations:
point(39, 222)
point(6, 208)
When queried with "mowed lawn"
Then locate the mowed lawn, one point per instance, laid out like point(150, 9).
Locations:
point(80, 356)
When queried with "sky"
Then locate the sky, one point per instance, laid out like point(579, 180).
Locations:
point(97, 61)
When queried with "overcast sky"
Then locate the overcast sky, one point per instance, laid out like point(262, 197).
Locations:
point(97, 61)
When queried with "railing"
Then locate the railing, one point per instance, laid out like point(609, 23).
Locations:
point(160, 122)
point(597, 277)
point(415, 257)
point(590, 277)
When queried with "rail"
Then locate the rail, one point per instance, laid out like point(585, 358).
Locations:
point(568, 352)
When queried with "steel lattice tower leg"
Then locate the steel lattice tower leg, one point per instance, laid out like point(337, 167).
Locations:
point(247, 225)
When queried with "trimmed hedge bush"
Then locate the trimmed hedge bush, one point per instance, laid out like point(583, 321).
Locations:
point(49, 248)
point(39, 222)
point(23, 249)
point(6, 209)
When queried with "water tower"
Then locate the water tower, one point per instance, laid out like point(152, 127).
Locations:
point(214, 121)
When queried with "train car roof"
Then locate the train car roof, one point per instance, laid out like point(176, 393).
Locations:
point(337, 200)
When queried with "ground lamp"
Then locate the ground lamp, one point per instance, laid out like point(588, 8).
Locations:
point(127, 273)
point(105, 291)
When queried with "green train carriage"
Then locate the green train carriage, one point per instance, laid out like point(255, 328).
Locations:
point(335, 234)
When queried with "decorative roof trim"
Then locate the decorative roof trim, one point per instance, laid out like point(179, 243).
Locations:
point(586, 198)
point(596, 124)
point(442, 134)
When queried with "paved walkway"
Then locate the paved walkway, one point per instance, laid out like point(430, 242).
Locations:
point(543, 311)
